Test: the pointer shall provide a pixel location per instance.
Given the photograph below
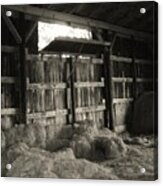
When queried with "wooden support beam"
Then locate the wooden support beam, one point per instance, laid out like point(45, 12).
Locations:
point(49, 86)
point(129, 60)
point(134, 71)
point(47, 114)
point(23, 86)
point(72, 90)
point(122, 100)
point(130, 80)
point(34, 26)
point(109, 120)
point(12, 28)
point(89, 84)
point(53, 16)
point(8, 49)
point(9, 111)
point(8, 80)
point(98, 108)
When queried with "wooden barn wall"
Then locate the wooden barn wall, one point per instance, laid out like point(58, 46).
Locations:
point(9, 87)
point(49, 98)
point(132, 66)
point(89, 90)
point(46, 92)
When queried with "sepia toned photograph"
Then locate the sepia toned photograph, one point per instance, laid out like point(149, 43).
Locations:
point(79, 91)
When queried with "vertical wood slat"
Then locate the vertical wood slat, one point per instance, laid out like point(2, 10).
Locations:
point(134, 69)
point(72, 89)
point(109, 121)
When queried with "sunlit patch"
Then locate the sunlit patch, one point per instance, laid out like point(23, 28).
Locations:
point(47, 32)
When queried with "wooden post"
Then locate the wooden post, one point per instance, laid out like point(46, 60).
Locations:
point(67, 95)
point(134, 69)
point(109, 121)
point(72, 90)
point(22, 68)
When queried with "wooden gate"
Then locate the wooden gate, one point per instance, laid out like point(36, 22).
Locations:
point(64, 90)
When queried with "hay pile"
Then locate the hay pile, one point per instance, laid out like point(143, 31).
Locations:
point(34, 151)
point(93, 144)
point(34, 162)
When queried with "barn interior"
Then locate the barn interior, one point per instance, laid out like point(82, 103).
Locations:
point(81, 105)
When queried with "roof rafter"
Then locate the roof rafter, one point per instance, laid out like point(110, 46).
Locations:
point(45, 14)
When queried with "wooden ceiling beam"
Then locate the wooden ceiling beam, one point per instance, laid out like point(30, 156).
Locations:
point(45, 14)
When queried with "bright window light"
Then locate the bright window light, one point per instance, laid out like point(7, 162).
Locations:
point(47, 32)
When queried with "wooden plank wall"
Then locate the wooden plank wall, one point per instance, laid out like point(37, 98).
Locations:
point(46, 91)
point(9, 86)
point(89, 90)
point(49, 100)
point(123, 78)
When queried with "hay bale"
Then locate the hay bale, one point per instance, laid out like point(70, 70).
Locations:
point(144, 115)
point(108, 148)
point(81, 147)
point(3, 141)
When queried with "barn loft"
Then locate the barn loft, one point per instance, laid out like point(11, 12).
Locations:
point(74, 77)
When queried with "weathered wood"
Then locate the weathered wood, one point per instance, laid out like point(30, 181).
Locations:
point(141, 80)
point(89, 84)
point(122, 79)
point(90, 109)
point(9, 111)
point(130, 80)
point(134, 73)
point(48, 86)
point(97, 61)
point(72, 89)
point(8, 80)
point(122, 100)
point(23, 69)
point(109, 121)
point(47, 114)
point(51, 16)
point(78, 46)
point(9, 49)
point(129, 60)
